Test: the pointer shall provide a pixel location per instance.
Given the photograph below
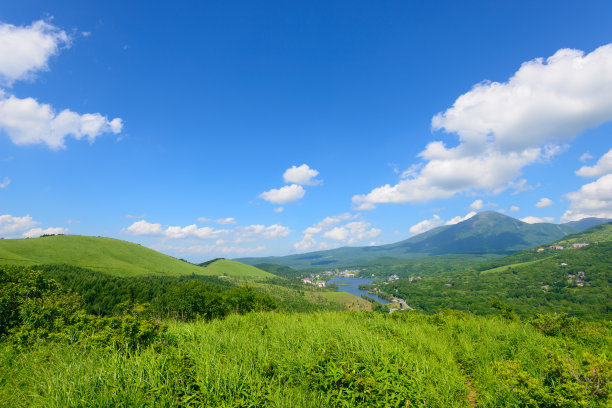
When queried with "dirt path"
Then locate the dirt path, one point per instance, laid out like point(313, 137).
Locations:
point(472, 393)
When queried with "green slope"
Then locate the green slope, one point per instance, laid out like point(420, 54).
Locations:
point(112, 256)
point(224, 267)
point(107, 255)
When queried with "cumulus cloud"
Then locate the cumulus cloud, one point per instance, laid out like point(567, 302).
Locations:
point(426, 225)
point(26, 121)
point(515, 208)
point(503, 127)
point(37, 232)
point(585, 156)
point(207, 249)
point(476, 205)
point(226, 221)
point(592, 200)
point(5, 182)
point(239, 234)
point(303, 175)
point(458, 219)
point(537, 220)
point(544, 202)
point(603, 166)
point(286, 194)
point(23, 227)
point(27, 49)
point(349, 233)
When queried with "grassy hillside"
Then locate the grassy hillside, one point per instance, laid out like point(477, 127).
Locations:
point(107, 255)
point(325, 360)
point(224, 267)
point(112, 256)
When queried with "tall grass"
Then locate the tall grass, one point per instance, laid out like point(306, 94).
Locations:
point(327, 359)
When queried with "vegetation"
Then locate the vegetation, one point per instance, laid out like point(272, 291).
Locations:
point(573, 281)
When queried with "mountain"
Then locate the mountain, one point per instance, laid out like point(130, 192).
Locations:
point(112, 256)
point(488, 232)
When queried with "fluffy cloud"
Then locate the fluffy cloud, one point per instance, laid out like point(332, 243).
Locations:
point(226, 221)
point(11, 226)
point(544, 202)
point(476, 205)
point(23, 226)
point(26, 50)
point(207, 249)
point(239, 234)
point(458, 219)
point(585, 156)
point(256, 232)
point(349, 233)
point(286, 194)
point(537, 220)
point(303, 175)
point(426, 225)
point(37, 232)
point(5, 182)
point(515, 208)
point(603, 166)
point(26, 121)
point(592, 200)
point(503, 127)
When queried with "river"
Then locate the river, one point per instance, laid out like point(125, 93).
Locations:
point(351, 285)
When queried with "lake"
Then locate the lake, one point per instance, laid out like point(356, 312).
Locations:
point(351, 285)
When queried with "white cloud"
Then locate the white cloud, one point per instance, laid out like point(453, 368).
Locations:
point(26, 121)
point(306, 243)
point(303, 175)
point(545, 102)
point(592, 200)
point(37, 232)
point(284, 194)
point(144, 228)
point(585, 156)
point(226, 221)
point(337, 234)
point(11, 226)
point(258, 231)
point(5, 182)
point(27, 49)
point(503, 127)
point(204, 219)
point(279, 209)
point(207, 249)
point(458, 219)
point(544, 202)
point(239, 234)
point(476, 205)
point(23, 226)
point(327, 223)
point(132, 216)
point(603, 166)
point(537, 220)
point(426, 225)
point(515, 208)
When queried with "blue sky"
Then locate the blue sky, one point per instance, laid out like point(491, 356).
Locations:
point(242, 129)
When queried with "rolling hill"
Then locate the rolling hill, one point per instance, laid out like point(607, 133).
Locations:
point(487, 232)
point(112, 256)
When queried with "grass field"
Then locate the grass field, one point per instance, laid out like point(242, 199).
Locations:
point(224, 267)
point(331, 359)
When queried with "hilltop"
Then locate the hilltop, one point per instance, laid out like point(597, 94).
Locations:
point(487, 232)
point(112, 256)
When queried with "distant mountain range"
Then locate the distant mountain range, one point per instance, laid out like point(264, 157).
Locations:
point(488, 232)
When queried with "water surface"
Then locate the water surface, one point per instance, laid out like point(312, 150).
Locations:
point(351, 285)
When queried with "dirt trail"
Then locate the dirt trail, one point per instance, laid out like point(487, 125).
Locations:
point(472, 393)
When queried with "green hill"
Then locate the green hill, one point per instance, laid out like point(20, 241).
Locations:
point(112, 256)
point(224, 267)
